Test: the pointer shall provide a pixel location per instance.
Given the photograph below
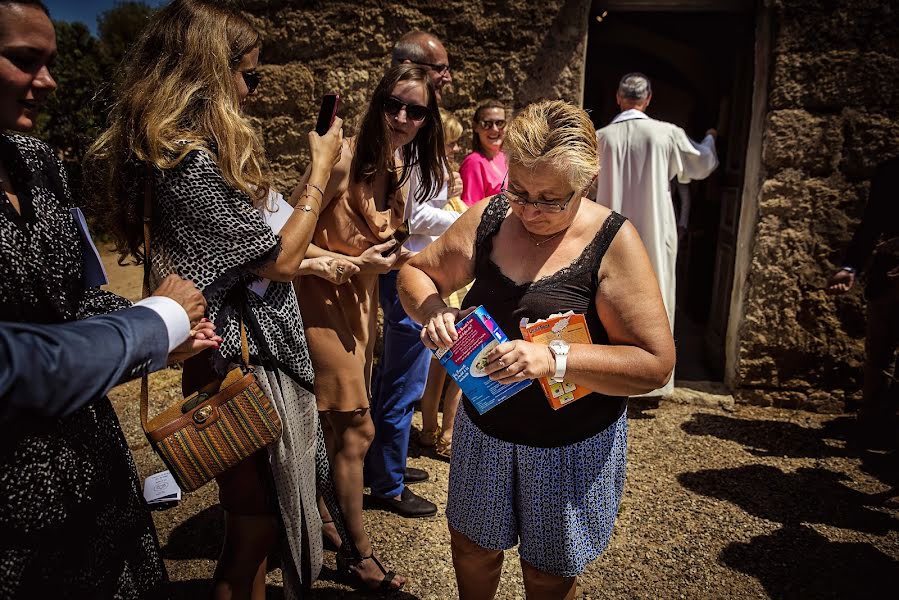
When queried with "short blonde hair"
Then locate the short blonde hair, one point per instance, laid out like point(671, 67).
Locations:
point(452, 127)
point(557, 133)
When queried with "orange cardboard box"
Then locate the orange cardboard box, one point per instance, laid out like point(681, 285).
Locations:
point(570, 327)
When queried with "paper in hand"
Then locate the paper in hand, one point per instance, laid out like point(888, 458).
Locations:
point(94, 272)
point(275, 214)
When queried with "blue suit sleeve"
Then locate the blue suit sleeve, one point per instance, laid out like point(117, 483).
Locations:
point(50, 371)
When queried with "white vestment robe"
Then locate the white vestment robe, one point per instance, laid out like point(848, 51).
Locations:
point(638, 158)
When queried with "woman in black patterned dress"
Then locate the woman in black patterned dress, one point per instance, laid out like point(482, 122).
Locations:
point(73, 523)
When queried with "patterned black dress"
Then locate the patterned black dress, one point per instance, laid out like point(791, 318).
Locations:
point(73, 523)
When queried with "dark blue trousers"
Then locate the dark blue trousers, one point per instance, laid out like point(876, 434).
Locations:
point(398, 383)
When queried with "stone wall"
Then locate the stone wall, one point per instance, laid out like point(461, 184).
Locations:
point(833, 113)
point(832, 116)
point(517, 50)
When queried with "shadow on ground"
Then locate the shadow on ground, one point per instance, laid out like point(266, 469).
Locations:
point(637, 407)
point(797, 561)
point(197, 537)
point(193, 589)
point(773, 438)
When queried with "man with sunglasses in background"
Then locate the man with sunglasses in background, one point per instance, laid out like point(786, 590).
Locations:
point(403, 367)
point(639, 156)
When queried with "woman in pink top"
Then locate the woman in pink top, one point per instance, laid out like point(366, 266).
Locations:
point(484, 170)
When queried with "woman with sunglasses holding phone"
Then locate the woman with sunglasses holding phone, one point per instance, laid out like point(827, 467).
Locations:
point(539, 248)
point(484, 170)
point(365, 207)
point(178, 134)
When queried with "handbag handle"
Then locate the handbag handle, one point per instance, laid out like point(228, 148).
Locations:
point(147, 219)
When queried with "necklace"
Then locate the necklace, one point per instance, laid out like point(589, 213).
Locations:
point(541, 242)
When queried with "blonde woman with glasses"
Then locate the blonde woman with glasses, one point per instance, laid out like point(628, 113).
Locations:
point(178, 130)
point(537, 248)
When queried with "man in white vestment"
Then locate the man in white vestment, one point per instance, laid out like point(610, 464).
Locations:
point(638, 158)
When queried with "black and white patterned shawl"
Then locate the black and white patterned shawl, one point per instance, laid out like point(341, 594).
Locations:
point(206, 231)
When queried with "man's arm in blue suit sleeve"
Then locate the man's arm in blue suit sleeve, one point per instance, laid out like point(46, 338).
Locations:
point(50, 371)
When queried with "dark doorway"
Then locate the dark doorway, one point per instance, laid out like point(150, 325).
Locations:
point(699, 57)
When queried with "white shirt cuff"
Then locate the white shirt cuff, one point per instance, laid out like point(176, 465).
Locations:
point(177, 323)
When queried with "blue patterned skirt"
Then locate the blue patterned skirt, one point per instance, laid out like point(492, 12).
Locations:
point(558, 504)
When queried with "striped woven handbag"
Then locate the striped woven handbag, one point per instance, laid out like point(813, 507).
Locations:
point(215, 428)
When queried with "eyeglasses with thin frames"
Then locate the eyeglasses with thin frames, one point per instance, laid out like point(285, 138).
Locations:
point(543, 206)
point(252, 79)
point(439, 68)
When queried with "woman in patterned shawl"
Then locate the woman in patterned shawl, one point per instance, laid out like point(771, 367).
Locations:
point(178, 116)
point(73, 522)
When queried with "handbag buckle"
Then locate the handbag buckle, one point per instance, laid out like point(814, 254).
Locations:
point(192, 403)
point(201, 415)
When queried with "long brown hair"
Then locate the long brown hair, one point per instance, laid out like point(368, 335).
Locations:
point(373, 154)
point(484, 105)
point(177, 95)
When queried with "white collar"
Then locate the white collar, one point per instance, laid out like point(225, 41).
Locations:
point(631, 113)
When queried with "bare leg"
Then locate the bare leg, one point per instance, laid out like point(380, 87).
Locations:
point(352, 433)
point(430, 400)
point(450, 405)
point(329, 531)
point(240, 571)
point(540, 585)
point(477, 569)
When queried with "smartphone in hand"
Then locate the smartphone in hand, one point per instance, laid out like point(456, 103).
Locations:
point(400, 235)
point(330, 104)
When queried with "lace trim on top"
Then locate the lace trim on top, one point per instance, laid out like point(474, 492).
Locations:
point(590, 257)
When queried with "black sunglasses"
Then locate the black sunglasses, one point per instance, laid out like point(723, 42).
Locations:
point(414, 112)
point(487, 124)
point(440, 69)
point(252, 79)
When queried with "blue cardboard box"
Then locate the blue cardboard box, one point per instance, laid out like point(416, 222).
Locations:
point(465, 361)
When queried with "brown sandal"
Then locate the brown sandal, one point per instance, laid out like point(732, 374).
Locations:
point(428, 438)
point(444, 449)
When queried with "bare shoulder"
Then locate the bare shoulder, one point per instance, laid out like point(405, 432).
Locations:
point(592, 216)
point(625, 252)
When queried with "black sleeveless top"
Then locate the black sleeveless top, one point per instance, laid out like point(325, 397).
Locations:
point(527, 418)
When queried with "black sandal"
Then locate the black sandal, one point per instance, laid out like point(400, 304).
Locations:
point(345, 566)
point(327, 544)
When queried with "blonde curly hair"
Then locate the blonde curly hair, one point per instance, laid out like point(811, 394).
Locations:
point(177, 95)
point(557, 133)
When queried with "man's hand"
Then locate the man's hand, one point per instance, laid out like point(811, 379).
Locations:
point(841, 282)
point(185, 293)
point(202, 337)
point(712, 132)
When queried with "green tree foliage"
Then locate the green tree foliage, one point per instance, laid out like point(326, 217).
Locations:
point(85, 71)
point(70, 119)
point(118, 27)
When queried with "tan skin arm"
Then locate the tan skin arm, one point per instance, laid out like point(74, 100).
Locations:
point(370, 261)
point(639, 359)
point(444, 266)
point(297, 231)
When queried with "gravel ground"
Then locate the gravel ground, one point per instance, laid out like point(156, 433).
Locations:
point(731, 502)
point(721, 501)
